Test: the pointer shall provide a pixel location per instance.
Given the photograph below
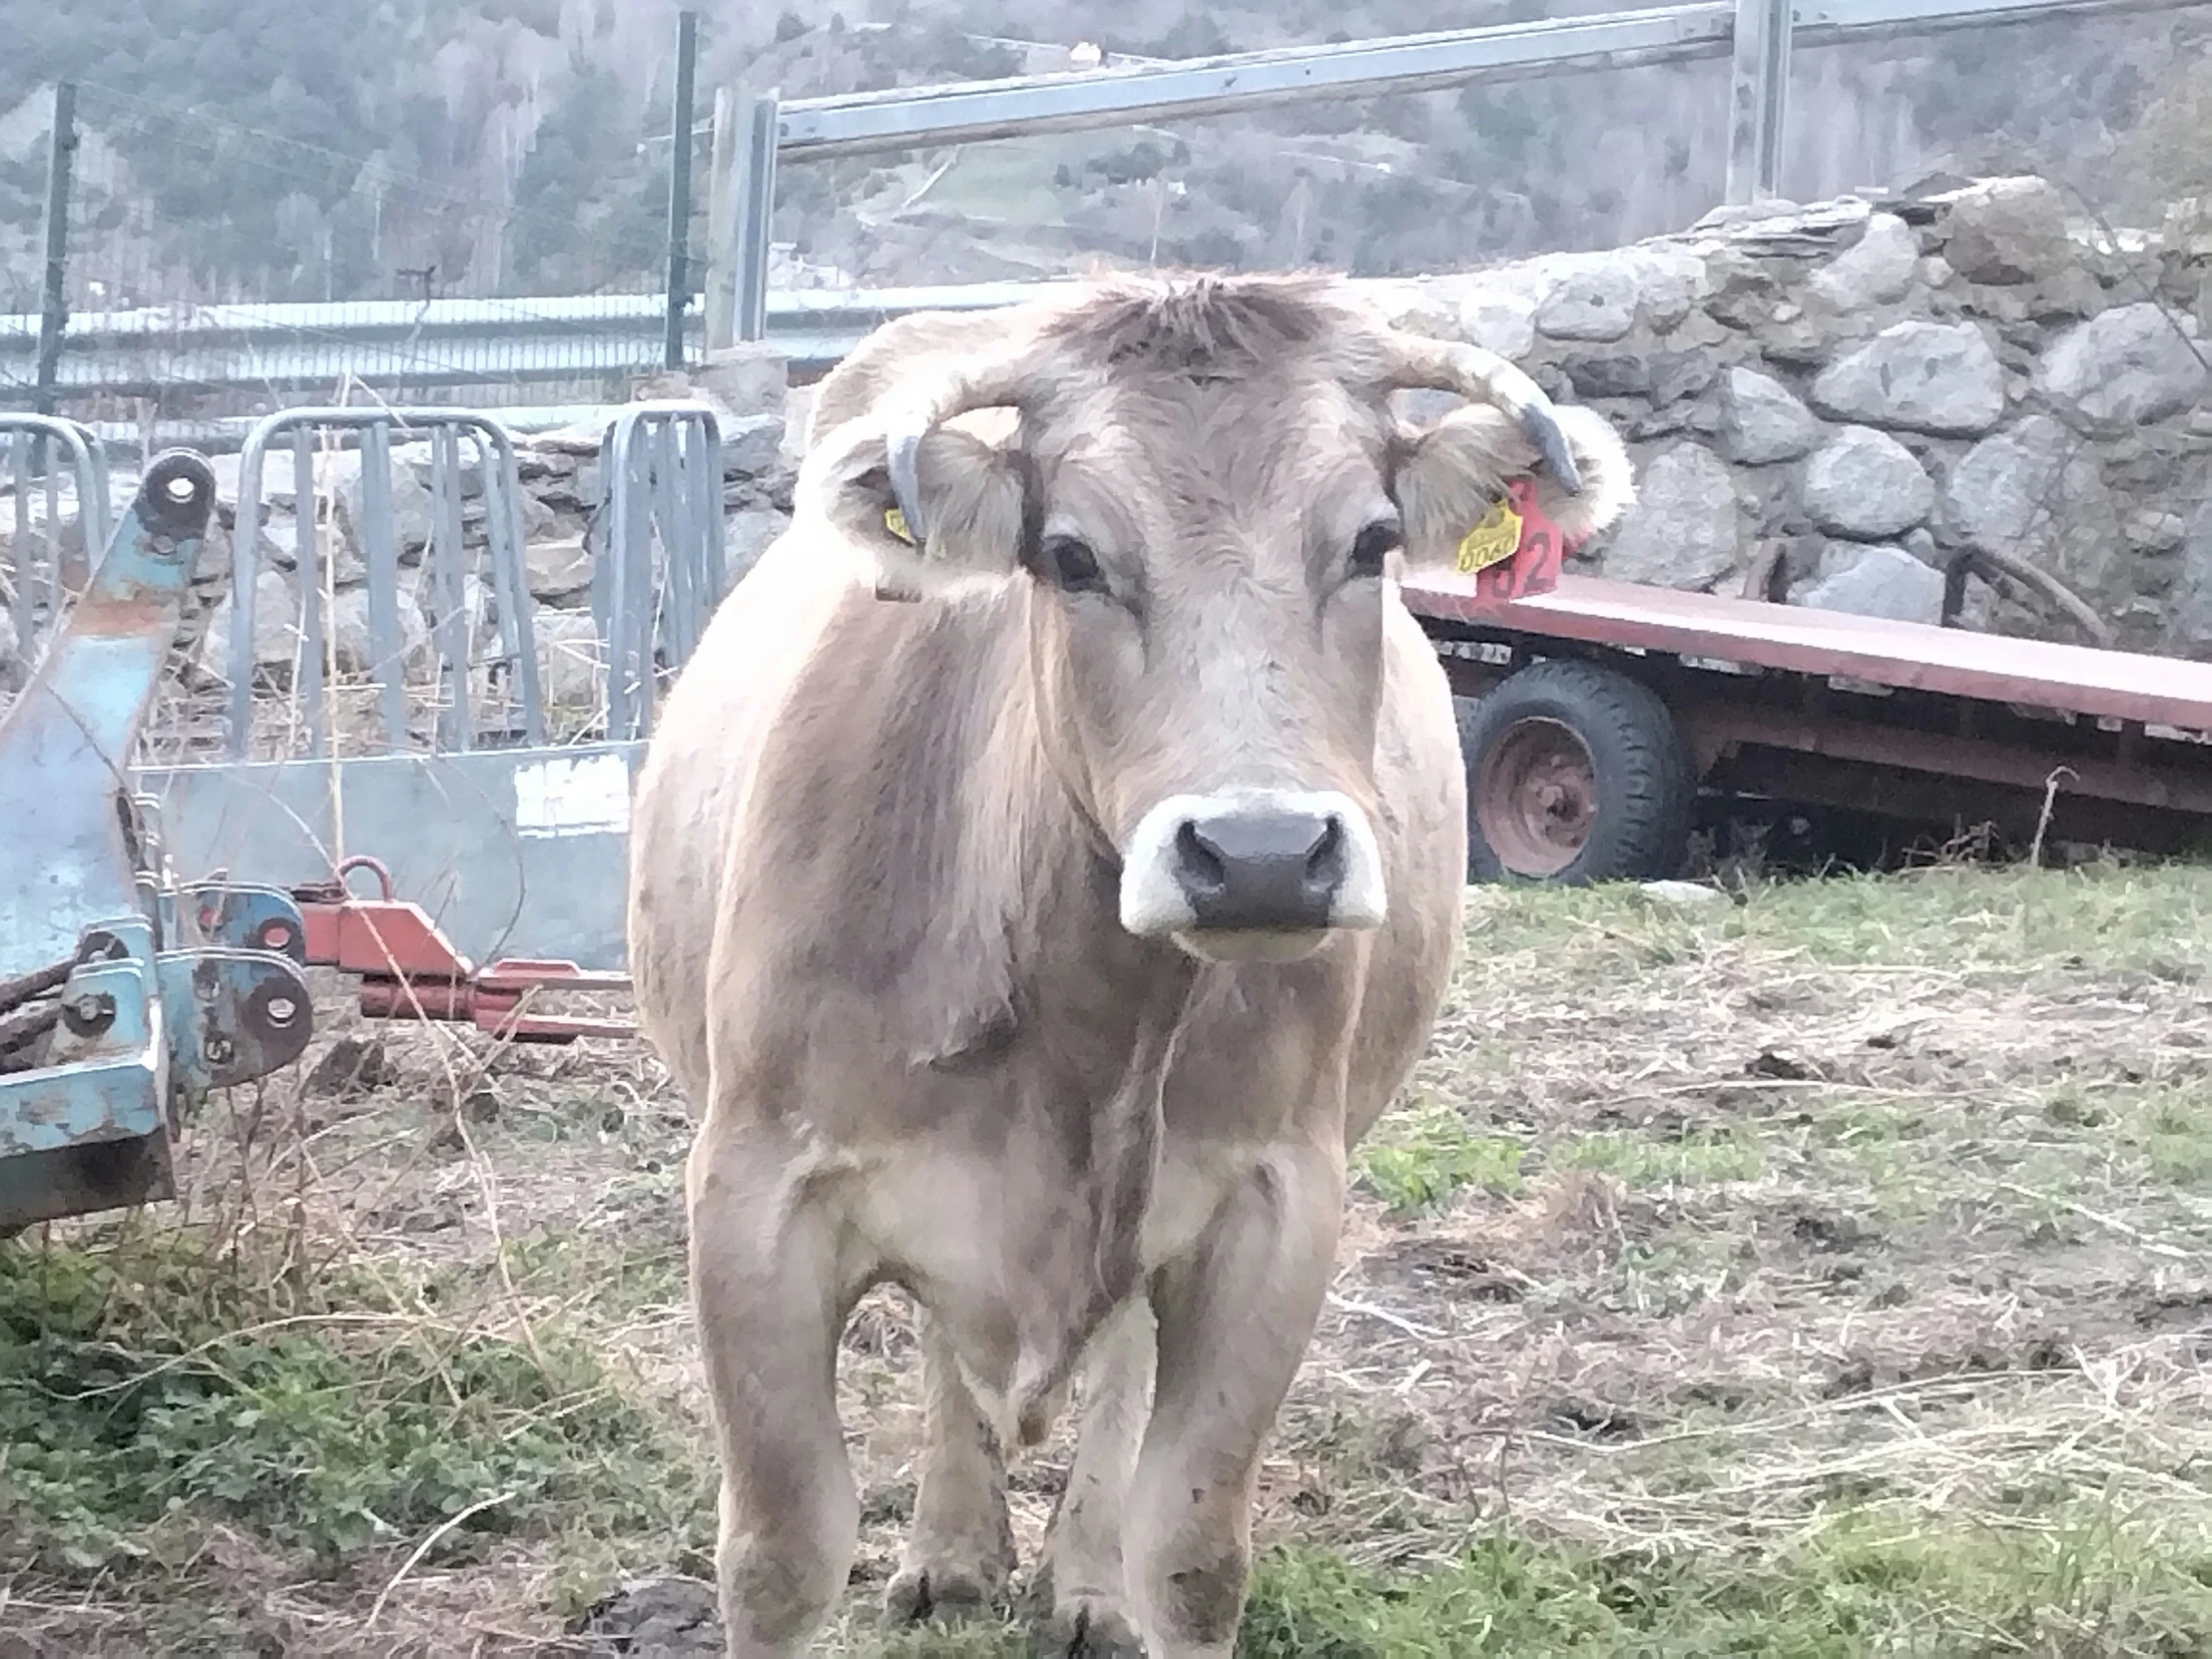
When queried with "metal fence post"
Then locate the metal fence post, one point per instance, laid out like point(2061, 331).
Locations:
point(1759, 97)
point(756, 211)
point(54, 308)
point(679, 189)
point(722, 273)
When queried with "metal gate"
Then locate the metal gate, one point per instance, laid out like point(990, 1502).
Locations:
point(507, 840)
point(36, 568)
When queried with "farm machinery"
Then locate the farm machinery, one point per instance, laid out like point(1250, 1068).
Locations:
point(125, 994)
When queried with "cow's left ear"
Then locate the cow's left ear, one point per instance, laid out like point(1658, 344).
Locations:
point(971, 492)
point(1451, 475)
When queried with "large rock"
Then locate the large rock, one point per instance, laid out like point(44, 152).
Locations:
point(2123, 368)
point(350, 640)
point(2037, 493)
point(412, 513)
point(746, 379)
point(746, 536)
point(1685, 530)
point(1875, 581)
point(1761, 421)
point(1596, 304)
point(750, 445)
point(1935, 378)
point(1865, 485)
point(2006, 230)
point(571, 660)
point(1500, 322)
point(1876, 270)
point(559, 570)
point(275, 627)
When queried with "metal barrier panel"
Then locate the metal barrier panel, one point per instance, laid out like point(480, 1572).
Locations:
point(38, 588)
point(661, 571)
point(522, 848)
point(460, 704)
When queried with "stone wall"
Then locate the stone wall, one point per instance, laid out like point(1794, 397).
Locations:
point(1837, 405)
point(1843, 405)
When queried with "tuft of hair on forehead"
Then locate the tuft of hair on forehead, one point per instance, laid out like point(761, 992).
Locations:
point(1204, 325)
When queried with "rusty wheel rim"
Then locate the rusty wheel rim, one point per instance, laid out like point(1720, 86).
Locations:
point(1536, 796)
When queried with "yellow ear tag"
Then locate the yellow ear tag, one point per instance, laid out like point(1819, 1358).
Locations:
point(1493, 541)
point(895, 522)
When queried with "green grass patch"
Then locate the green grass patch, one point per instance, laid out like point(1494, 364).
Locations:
point(146, 1381)
point(1862, 1584)
point(1694, 1159)
point(2153, 920)
point(1422, 1157)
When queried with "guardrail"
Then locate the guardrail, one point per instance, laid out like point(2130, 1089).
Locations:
point(1757, 34)
point(452, 343)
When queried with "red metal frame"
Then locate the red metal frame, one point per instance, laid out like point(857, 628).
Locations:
point(410, 970)
point(2075, 678)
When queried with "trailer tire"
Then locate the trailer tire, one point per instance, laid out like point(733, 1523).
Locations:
point(1576, 773)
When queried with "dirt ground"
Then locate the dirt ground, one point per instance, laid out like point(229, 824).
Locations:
point(1717, 1239)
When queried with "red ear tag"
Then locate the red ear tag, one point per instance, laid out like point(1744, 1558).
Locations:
point(1515, 552)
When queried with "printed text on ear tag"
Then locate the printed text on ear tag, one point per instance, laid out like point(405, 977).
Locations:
point(895, 522)
point(1491, 541)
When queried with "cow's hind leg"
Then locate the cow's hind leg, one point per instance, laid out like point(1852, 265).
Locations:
point(772, 1297)
point(961, 1549)
point(1081, 1592)
point(1234, 1321)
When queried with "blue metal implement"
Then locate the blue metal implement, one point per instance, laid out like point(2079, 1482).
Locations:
point(123, 997)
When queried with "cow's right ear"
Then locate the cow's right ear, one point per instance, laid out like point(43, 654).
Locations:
point(971, 498)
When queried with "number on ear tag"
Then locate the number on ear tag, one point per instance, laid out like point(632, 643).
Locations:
point(1493, 541)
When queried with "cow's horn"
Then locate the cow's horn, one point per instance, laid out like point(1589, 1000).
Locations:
point(993, 384)
point(1446, 365)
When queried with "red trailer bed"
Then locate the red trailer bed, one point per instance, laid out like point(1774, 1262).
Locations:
point(1603, 699)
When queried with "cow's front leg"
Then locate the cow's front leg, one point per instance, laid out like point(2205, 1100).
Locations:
point(1081, 1591)
point(961, 1549)
point(1234, 1320)
point(771, 1296)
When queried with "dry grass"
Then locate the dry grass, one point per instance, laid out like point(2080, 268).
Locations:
point(1831, 1266)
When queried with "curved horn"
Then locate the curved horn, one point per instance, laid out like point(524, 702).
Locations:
point(1414, 360)
point(996, 383)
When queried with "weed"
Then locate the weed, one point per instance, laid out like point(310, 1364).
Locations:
point(1425, 1156)
point(324, 1430)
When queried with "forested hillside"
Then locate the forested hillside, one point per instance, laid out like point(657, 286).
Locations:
point(335, 149)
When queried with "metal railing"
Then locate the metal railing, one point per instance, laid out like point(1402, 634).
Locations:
point(39, 585)
point(1757, 35)
point(448, 569)
point(661, 474)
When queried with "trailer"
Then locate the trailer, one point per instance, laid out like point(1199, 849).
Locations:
point(1602, 720)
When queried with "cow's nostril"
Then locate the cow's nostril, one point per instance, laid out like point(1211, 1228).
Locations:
point(1326, 863)
point(1203, 872)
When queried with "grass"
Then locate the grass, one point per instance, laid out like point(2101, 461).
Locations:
point(140, 1388)
point(1821, 1273)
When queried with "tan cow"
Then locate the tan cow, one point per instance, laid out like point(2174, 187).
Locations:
point(1042, 944)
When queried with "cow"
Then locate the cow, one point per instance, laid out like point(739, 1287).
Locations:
point(1044, 872)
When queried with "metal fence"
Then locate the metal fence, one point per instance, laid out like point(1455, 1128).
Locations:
point(1755, 35)
point(141, 341)
point(386, 664)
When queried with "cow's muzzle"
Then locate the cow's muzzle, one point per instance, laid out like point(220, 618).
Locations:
point(1257, 872)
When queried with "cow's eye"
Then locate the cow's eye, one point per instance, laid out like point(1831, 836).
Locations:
point(1068, 563)
point(1372, 545)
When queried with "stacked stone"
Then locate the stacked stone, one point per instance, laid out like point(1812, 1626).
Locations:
point(1861, 396)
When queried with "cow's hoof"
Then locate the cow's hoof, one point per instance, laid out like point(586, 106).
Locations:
point(921, 1591)
point(1088, 1627)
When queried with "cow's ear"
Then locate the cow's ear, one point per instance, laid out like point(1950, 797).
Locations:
point(1451, 476)
point(972, 496)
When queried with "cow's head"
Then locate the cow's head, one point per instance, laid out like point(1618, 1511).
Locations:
point(1205, 498)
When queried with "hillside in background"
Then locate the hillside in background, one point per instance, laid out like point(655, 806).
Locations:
point(371, 148)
